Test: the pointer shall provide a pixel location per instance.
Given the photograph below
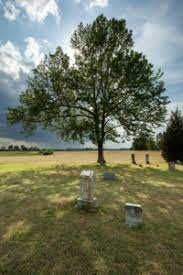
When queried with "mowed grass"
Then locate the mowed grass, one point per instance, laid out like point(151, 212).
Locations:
point(42, 232)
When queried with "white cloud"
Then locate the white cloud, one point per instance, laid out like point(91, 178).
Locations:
point(100, 3)
point(10, 11)
point(11, 61)
point(173, 105)
point(158, 37)
point(174, 75)
point(162, 44)
point(37, 10)
point(7, 141)
point(92, 3)
point(32, 51)
point(157, 41)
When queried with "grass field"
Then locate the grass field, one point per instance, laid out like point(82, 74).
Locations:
point(66, 157)
point(17, 153)
point(42, 232)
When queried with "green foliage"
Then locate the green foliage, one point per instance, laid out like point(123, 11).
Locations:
point(46, 152)
point(109, 86)
point(171, 142)
point(144, 142)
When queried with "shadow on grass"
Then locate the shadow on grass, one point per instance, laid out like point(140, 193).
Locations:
point(42, 231)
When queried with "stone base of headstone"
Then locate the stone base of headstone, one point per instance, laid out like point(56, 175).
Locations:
point(109, 176)
point(87, 205)
point(133, 215)
point(171, 166)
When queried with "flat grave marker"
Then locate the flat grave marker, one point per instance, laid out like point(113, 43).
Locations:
point(133, 214)
point(109, 176)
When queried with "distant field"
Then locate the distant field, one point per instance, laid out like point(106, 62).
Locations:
point(80, 157)
point(17, 153)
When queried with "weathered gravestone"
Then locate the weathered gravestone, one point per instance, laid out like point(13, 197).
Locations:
point(133, 159)
point(109, 176)
point(147, 161)
point(171, 166)
point(87, 188)
point(133, 214)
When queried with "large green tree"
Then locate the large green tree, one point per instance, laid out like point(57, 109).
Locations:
point(109, 86)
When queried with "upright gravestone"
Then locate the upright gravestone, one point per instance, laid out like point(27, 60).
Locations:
point(133, 214)
point(133, 159)
point(147, 161)
point(87, 188)
point(171, 166)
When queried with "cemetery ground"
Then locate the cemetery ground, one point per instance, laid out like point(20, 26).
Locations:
point(42, 232)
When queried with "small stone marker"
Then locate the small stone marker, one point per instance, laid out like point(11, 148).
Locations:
point(87, 187)
point(133, 214)
point(171, 166)
point(147, 161)
point(109, 176)
point(133, 158)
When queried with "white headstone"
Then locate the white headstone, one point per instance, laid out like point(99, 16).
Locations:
point(133, 214)
point(87, 189)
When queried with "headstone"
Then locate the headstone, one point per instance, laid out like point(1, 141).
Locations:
point(133, 159)
point(133, 214)
point(147, 161)
point(87, 188)
point(171, 166)
point(109, 176)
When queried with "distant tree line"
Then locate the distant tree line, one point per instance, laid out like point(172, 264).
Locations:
point(19, 148)
point(145, 142)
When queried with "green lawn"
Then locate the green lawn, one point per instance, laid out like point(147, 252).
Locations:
point(18, 153)
point(42, 232)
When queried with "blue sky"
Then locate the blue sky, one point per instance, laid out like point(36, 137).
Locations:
point(30, 29)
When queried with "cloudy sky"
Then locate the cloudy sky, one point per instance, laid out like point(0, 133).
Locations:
point(31, 28)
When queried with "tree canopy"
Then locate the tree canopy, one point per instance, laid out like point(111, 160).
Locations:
point(171, 141)
point(109, 86)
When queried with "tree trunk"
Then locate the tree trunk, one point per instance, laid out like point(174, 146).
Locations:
point(101, 159)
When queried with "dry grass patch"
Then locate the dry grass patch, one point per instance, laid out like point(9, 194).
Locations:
point(42, 232)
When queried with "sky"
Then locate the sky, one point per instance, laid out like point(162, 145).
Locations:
point(29, 29)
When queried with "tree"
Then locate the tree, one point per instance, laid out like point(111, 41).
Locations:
point(23, 148)
point(171, 142)
point(16, 148)
point(10, 147)
point(109, 86)
point(144, 142)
